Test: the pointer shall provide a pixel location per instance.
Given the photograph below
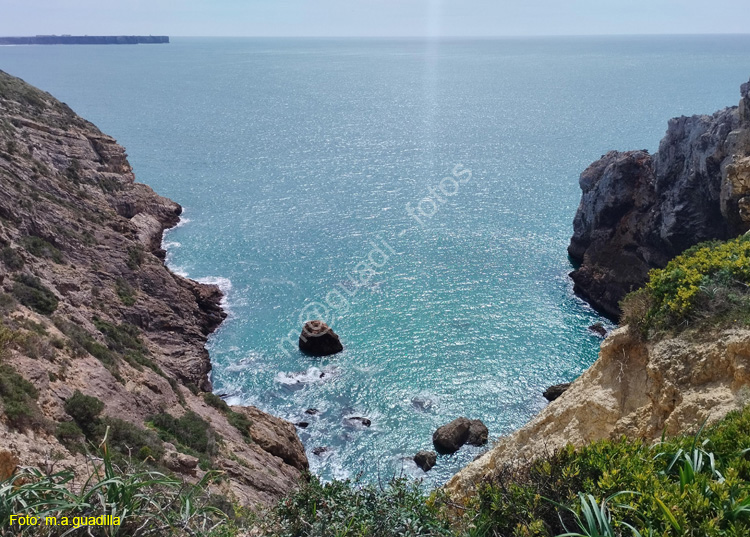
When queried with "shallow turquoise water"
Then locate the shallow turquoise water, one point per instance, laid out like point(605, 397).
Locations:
point(293, 157)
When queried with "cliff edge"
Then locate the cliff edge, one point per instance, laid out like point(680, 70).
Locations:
point(636, 389)
point(639, 210)
point(87, 305)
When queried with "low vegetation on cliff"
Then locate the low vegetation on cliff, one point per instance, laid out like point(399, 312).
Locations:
point(707, 286)
point(684, 487)
point(96, 334)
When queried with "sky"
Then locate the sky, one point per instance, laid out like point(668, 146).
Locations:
point(387, 18)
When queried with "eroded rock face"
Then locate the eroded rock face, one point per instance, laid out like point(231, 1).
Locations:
point(318, 339)
point(635, 389)
point(69, 188)
point(638, 210)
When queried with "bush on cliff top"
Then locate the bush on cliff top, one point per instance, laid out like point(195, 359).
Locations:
point(686, 487)
point(708, 281)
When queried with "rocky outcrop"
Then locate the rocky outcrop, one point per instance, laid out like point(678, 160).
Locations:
point(318, 339)
point(426, 460)
point(636, 389)
point(87, 303)
point(638, 210)
point(554, 392)
point(450, 437)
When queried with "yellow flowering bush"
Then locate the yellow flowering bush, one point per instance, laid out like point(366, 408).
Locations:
point(709, 278)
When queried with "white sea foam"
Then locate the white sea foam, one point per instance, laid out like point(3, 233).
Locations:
point(280, 281)
point(183, 221)
point(225, 284)
point(310, 376)
point(179, 271)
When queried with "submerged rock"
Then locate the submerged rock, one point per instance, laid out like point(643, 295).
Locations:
point(450, 437)
point(318, 339)
point(426, 460)
point(320, 451)
point(553, 392)
point(422, 404)
point(358, 420)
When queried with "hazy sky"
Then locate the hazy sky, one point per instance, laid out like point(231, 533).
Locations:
point(372, 17)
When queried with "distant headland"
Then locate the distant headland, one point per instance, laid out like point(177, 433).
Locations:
point(85, 40)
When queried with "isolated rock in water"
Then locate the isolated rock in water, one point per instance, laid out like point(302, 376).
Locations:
point(312, 411)
point(320, 451)
point(553, 392)
point(357, 420)
point(302, 424)
point(317, 339)
point(426, 460)
point(450, 437)
point(598, 328)
point(478, 433)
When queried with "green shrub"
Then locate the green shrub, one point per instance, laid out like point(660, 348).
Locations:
point(189, 430)
point(7, 303)
point(11, 259)
point(71, 436)
point(8, 338)
point(687, 486)
point(240, 422)
point(30, 292)
point(129, 440)
point(120, 338)
point(211, 399)
point(38, 247)
point(18, 397)
point(85, 410)
point(147, 502)
point(125, 292)
point(82, 342)
point(709, 281)
point(35, 346)
point(344, 508)
point(236, 419)
point(136, 256)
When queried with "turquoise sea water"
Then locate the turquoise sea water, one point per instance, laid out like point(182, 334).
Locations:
point(294, 159)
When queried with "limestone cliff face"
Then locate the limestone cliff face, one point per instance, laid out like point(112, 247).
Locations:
point(638, 210)
point(634, 389)
point(72, 216)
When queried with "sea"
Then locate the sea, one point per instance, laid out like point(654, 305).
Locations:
point(418, 195)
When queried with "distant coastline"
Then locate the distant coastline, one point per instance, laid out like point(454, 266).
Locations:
point(86, 40)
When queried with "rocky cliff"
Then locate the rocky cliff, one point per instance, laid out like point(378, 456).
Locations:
point(636, 389)
point(639, 210)
point(87, 304)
